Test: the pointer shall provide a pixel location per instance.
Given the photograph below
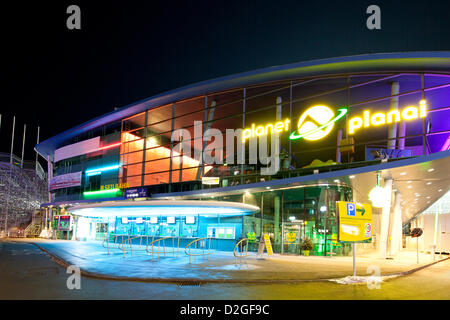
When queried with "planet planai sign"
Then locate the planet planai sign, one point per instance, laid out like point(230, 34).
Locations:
point(318, 121)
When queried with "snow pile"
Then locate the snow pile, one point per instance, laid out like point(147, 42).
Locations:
point(362, 279)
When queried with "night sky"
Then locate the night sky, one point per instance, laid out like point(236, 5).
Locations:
point(128, 50)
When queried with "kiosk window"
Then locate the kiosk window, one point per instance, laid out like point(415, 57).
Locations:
point(170, 219)
point(190, 220)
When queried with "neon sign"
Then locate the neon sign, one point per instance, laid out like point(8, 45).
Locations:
point(380, 118)
point(98, 171)
point(264, 130)
point(316, 122)
point(101, 192)
point(115, 186)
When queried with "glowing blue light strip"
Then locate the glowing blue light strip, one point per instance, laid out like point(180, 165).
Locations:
point(137, 211)
point(93, 172)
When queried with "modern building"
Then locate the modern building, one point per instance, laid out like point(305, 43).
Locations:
point(335, 128)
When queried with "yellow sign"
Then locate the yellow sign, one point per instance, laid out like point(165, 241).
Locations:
point(210, 180)
point(115, 186)
point(251, 236)
point(355, 221)
point(264, 130)
point(380, 118)
point(291, 236)
point(268, 244)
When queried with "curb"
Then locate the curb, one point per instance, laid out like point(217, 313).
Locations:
point(198, 282)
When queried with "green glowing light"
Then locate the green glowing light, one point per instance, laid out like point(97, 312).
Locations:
point(100, 192)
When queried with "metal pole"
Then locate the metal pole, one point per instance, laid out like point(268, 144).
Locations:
point(37, 142)
point(417, 245)
point(325, 222)
point(424, 120)
point(331, 248)
point(23, 144)
point(243, 144)
point(12, 140)
point(354, 259)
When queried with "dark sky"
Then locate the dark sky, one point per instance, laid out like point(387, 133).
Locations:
point(129, 50)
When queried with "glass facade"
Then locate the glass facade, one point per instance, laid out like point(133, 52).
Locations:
point(149, 155)
point(305, 211)
point(150, 158)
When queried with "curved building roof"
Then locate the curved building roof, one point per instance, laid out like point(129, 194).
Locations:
point(164, 208)
point(438, 61)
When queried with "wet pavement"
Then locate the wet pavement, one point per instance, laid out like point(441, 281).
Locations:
point(26, 272)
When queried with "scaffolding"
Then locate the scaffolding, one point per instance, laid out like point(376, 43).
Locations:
point(23, 187)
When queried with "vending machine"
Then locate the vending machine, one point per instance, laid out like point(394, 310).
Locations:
point(153, 227)
point(189, 227)
point(170, 228)
point(123, 226)
point(139, 228)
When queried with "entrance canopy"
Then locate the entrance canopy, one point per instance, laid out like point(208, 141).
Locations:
point(164, 208)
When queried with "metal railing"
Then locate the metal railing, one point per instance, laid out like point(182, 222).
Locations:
point(158, 247)
point(241, 245)
point(116, 237)
point(127, 244)
point(187, 250)
point(32, 230)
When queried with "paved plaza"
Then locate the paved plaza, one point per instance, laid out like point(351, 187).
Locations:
point(219, 267)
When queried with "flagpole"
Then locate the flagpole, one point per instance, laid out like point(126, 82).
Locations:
point(37, 142)
point(23, 144)
point(12, 140)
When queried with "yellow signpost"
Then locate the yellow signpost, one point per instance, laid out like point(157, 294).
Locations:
point(355, 222)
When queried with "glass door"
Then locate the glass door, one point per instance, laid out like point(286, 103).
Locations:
point(292, 237)
point(101, 231)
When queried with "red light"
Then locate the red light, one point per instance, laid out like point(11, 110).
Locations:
point(110, 146)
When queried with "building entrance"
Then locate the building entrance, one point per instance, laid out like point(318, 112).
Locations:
point(293, 234)
point(101, 230)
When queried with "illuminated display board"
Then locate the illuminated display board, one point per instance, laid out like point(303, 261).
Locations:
point(224, 232)
point(64, 223)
